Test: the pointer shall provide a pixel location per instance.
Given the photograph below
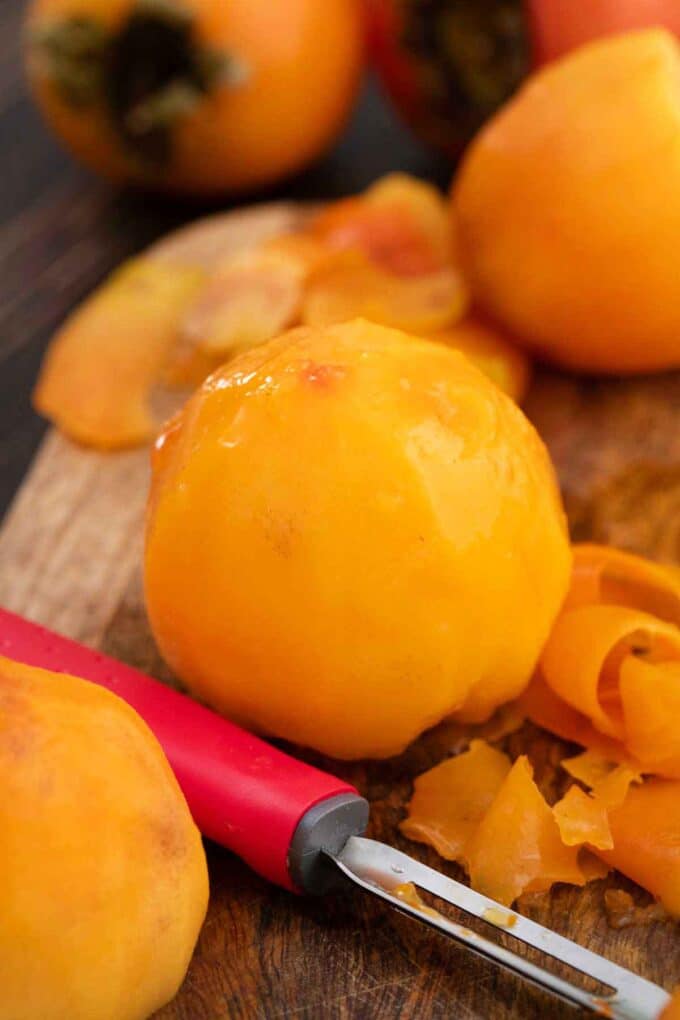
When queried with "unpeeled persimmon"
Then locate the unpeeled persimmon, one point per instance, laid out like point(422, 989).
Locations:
point(197, 96)
point(351, 534)
point(103, 878)
point(567, 208)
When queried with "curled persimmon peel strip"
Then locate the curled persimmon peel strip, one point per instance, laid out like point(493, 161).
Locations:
point(602, 574)
point(645, 829)
point(584, 654)
point(609, 675)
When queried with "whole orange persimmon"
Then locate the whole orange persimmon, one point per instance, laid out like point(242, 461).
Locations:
point(567, 208)
point(104, 882)
point(351, 534)
point(198, 96)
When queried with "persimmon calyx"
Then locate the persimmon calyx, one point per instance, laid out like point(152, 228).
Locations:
point(147, 74)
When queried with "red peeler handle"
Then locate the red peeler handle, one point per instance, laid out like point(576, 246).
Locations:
point(272, 810)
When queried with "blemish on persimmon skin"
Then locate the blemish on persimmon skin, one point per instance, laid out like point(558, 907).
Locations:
point(322, 375)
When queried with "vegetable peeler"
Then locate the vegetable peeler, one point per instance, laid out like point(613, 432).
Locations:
point(302, 828)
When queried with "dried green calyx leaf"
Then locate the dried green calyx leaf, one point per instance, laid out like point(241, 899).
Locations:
point(147, 75)
point(73, 52)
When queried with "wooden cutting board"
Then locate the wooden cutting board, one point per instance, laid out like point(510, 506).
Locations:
point(70, 554)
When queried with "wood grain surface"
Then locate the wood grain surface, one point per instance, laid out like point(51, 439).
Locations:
point(70, 558)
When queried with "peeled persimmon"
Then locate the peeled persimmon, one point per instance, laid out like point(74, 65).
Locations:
point(491, 350)
point(104, 882)
point(196, 96)
point(351, 534)
point(567, 208)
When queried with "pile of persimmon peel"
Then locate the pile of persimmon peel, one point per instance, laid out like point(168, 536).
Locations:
point(386, 255)
point(608, 680)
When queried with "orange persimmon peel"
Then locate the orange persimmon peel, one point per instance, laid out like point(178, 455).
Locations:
point(645, 830)
point(450, 800)
point(490, 816)
point(517, 847)
point(349, 286)
point(582, 819)
point(96, 380)
point(587, 649)
point(609, 674)
point(608, 576)
point(399, 223)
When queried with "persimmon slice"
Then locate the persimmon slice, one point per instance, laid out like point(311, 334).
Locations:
point(349, 286)
point(517, 846)
point(97, 376)
point(450, 800)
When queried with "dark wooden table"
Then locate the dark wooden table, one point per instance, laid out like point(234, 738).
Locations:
point(61, 230)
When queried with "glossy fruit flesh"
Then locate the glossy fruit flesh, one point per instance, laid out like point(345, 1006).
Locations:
point(335, 518)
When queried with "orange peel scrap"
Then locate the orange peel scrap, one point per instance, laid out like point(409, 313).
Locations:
point(611, 666)
point(602, 574)
point(450, 800)
point(672, 1010)
point(399, 223)
point(646, 831)
point(650, 698)
point(593, 867)
point(517, 847)
point(250, 298)
point(349, 286)
point(544, 708)
point(583, 819)
point(585, 652)
point(490, 816)
point(589, 767)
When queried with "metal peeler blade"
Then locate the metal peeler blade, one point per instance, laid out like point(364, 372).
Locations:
point(380, 869)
